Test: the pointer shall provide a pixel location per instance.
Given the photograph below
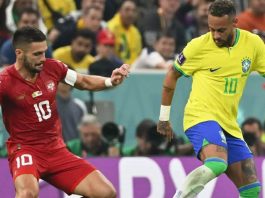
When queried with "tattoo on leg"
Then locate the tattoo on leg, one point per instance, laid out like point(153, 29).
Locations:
point(249, 170)
point(220, 149)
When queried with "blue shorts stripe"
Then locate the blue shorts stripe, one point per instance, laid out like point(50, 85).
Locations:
point(253, 185)
point(215, 159)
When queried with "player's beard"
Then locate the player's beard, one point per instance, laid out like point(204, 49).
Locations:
point(30, 67)
point(225, 43)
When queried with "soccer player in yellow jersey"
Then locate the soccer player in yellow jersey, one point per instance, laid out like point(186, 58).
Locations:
point(220, 63)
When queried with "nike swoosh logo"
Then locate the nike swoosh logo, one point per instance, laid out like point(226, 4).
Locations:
point(213, 70)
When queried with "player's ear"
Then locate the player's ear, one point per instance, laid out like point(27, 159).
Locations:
point(235, 20)
point(19, 52)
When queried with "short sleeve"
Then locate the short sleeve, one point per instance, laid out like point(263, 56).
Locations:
point(61, 70)
point(188, 61)
point(2, 87)
point(259, 62)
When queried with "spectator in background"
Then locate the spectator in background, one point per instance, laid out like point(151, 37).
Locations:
point(252, 132)
point(78, 53)
point(90, 19)
point(145, 142)
point(26, 17)
point(4, 33)
point(161, 20)
point(13, 13)
point(128, 44)
point(254, 17)
point(98, 3)
point(71, 110)
point(198, 20)
point(106, 60)
point(91, 142)
point(158, 57)
point(149, 142)
point(52, 10)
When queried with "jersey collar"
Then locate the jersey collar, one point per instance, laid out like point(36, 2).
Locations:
point(237, 37)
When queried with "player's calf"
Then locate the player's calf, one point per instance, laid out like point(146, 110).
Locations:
point(198, 178)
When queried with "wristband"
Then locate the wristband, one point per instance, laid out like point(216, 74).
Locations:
point(164, 113)
point(108, 82)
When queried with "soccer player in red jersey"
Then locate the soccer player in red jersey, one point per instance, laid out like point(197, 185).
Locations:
point(35, 147)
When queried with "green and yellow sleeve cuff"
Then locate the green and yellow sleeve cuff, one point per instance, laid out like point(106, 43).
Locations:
point(177, 68)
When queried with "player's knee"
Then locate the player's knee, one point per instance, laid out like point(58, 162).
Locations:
point(27, 193)
point(108, 192)
point(217, 165)
point(250, 190)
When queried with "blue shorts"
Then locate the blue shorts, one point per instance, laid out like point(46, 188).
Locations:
point(212, 133)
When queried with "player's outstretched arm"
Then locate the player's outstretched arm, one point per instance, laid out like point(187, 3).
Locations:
point(169, 85)
point(97, 83)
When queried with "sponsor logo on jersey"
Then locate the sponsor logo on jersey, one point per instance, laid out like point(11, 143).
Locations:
point(181, 59)
point(246, 63)
point(214, 69)
point(50, 86)
point(36, 94)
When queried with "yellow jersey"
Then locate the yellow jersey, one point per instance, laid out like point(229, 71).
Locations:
point(219, 77)
point(63, 7)
point(128, 42)
point(64, 54)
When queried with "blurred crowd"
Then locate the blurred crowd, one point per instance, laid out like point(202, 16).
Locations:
point(97, 36)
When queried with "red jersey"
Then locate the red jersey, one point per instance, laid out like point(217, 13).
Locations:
point(29, 109)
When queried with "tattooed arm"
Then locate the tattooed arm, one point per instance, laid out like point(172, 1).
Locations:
point(169, 85)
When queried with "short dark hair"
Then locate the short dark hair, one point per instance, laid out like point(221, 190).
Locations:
point(123, 2)
point(143, 128)
point(27, 35)
point(220, 8)
point(85, 33)
point(91, 7)
point(167, 34)
point(29, 11)
point(250, 121)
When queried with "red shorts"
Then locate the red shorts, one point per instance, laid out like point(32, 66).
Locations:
point(58, 167)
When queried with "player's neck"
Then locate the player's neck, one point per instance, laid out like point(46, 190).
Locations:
point(233, 40)
point(24, 73)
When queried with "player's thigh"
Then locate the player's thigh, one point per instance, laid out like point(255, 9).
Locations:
point(68, 171)
point(95, 185)
point(24, 170)
point(242, 173)
point(26, 185)
point(23, 161)
point(208, 140)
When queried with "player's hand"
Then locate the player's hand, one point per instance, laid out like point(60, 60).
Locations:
point(119, 74)
point(164, 128)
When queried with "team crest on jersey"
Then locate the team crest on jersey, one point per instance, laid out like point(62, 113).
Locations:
point(50, 86)
point(246, 63)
